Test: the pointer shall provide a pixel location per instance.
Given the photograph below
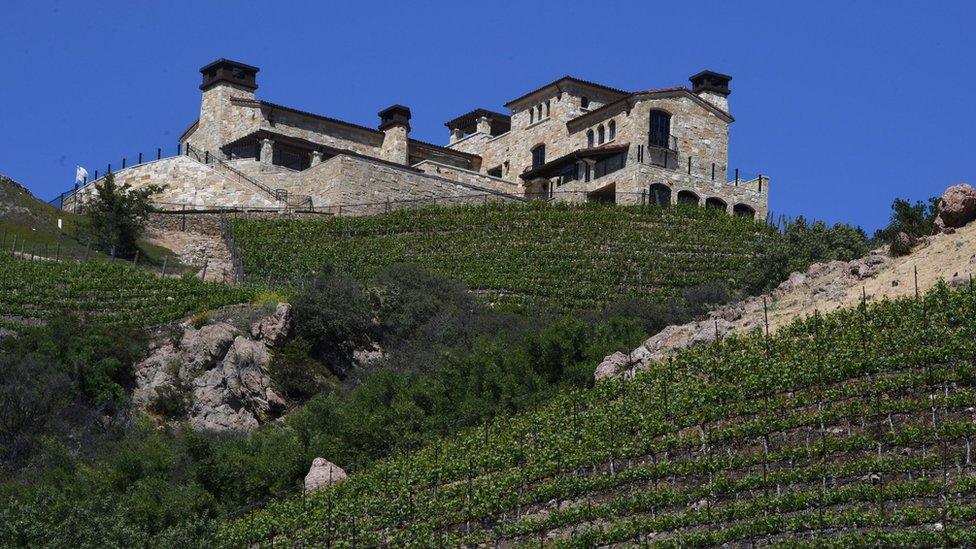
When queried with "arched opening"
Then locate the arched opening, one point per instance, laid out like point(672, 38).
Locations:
point(612, 128)
point(585, 102)
point(601, 134)
point(744, 210)
point(688, 197)
point(589, 138)
point(538, 155)
point(716, 203)
point(660, 132)
point(659, 195)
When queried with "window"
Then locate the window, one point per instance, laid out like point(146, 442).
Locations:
point(601, 134)
point(532, 115)
point(660, 134)
point(608, 165)
point(496, 171)
point(547, 108)
point(538, 109)
point(613, 129)
point(585, 102)
point(291, 158)
point(538, 156)
point(659, 195)
point(589, 138)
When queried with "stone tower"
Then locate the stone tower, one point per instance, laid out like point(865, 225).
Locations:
point(395, 125)
point(220, 120)
point(712, 87)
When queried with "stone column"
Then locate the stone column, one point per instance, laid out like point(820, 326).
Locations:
point(456, 135)
point(395, 125)
point(484, 125)
point(316, 158)
point(267, 151)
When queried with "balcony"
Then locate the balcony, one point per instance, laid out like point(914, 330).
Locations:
point(660, 152)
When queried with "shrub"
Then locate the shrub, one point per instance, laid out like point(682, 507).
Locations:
point(914, 220)
point(297, 375)
point(117, 215)
point(333, 315)
point(171, 402)
point(200, 319)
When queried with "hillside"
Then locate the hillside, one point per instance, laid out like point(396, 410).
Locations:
point(563, 256)
point(30, 224)
point(843, 429)
point(949, 258)
point(33, 291)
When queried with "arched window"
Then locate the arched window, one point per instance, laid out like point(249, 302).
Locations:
point(743, 210)
point(660, 133)
point(547, 108)
point(538, 156)
point(612, 126)
point(659, 195)
point(601, 134)
point(531, 115)
point(716, 203)
point(538, 111)
point(589, 138)
point(687, 197)
point(585, 102)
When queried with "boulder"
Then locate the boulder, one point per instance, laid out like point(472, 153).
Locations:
point(323, 474)
point(956, 207)
point(612, 366)
point(202, 348)
point(272, 330)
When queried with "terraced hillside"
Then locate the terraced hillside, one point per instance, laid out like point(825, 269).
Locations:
point(850, 429)
point(565, 256)
point(33, 291)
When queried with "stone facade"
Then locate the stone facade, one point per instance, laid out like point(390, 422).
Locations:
point(568, 140)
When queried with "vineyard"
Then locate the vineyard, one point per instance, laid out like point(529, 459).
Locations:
point(107, 291)
point(565, 256)
point(847, 429)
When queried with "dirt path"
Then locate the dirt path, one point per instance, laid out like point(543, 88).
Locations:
point(824, 287)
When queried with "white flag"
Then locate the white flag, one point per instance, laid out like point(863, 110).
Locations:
point(81, 175)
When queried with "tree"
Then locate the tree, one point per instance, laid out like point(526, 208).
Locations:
point(118, 215)
point(915, 220)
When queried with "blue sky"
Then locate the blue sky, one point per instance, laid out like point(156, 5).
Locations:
point(845, 105)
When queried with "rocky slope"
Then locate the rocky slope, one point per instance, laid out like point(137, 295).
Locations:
point(948, 256)
point(216, 374)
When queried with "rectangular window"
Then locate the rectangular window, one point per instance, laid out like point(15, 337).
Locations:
point(538, 156)
point(608, 165)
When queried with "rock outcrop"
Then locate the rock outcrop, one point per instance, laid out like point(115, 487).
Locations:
point(825, 282)
point(322, 474)
point(956, 207)
point(221, 369)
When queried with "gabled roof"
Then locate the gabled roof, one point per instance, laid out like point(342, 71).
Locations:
point(552, 168)
point(650, 94)
point(567, 78)
point(471, 118)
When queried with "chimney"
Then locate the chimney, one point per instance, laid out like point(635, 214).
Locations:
point(484, 125)
point(223, 80)
point(232, 73)
point(712, 87)
point(395, 125)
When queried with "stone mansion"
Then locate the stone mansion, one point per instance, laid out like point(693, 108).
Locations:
point(569, 140)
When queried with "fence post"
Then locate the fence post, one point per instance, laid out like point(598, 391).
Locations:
point(123, 162)
point(203, 276)
point(135, 261)
point(109, 169)
point(165, 259)
point(159, 153)
point(96, 175)
point(140, 158)
point(87, 250)
point(57, 255)
point(737, 177)
point(760, 183)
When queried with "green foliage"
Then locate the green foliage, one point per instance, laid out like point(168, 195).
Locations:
point(106, 292)
point(800, 245)
point(333, 316)
point(518, 256)
point(171, 402)
point(295, 374)
point(117, 215)
point(914, 220)
point(849, 428)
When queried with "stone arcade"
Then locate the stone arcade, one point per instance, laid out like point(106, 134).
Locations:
point(569, 140)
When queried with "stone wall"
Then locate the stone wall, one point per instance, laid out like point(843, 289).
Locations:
point(470, 177)
point(628, 186)
point(222, 119)
point(347, 180)
point(184, 181)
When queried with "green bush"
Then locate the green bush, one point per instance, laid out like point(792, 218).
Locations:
point(171, 402)
point(333, 315)
point(914, 220)
point(295, 374)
